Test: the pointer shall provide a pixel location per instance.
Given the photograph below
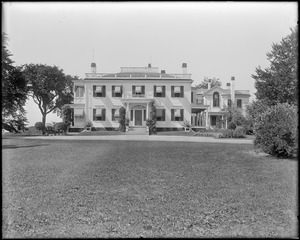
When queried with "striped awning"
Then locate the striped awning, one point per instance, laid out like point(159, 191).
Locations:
point(177, 89)
point(98, 112)
point(78, 112)
point(159, 112)
point(138, 89)
point(116, 114)
point(117, 89)
point(177, 113)
point(98, 89)
point(159, 89)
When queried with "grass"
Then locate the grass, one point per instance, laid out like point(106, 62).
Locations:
point(150, 189)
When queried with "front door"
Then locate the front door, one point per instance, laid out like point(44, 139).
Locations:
point(138, 117)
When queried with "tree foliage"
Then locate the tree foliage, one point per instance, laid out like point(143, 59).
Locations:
point(122, 120)
point(14, 92)
point(212, 81)
point(151, 122)
point(50, 88)
point(278, 83)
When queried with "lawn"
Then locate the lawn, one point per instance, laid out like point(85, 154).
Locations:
point(62, 188)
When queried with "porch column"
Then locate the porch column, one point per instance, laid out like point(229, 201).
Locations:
point(127, 111)
point(206, 120)
point(147, 111)
point(226, 122)
point(222, 121)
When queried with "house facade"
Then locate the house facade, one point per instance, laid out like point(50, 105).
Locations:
point(99, 96)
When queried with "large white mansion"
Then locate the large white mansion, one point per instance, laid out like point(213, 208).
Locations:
point(99, 96)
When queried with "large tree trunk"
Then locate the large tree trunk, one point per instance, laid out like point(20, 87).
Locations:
point(44, 122)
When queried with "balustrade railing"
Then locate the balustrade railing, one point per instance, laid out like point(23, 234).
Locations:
point(138, 76)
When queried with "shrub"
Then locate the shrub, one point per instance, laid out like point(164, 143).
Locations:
point(61, 126)
point(151, 122)
point(225, 133)
point(40, 126)
point(276, 131)
point(122, 121)
point(186, 124)
point(231, 125)
point(239, 132)
point(88, 124)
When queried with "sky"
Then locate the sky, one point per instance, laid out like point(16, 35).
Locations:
point(215, 39)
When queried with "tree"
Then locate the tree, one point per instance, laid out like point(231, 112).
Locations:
point(278, 83)
point(50, 88)
point(122, 119)
point(14, 92)
point(212, 81)
point(151, 122)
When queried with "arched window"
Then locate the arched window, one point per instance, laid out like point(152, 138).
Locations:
point(216, 99)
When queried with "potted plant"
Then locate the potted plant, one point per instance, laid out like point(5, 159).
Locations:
point(88, 126)
point(127, 124)
point(187, 126)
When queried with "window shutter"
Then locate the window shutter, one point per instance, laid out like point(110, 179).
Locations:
point(145, 115)
point(94, 89)
point(172, 113)
point(103, 91)
point(133, 90)
point(181, 114)
point(164, 114)
point(164, 91)
point(154, 90)
point(172, 94)
point(182, 91)
point(94, 114)
point(192, 97)
point(103, 114)
point(131, 115)
point(112, 91)
point(113, 114)
point(121, 88)
point(143, 90)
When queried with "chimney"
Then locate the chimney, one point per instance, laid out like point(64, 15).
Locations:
point(163, 71)
point(184, 68)
point(209, 84)
point(93, 68)
point(228, 86)
point(232, 92)
point(149, 65)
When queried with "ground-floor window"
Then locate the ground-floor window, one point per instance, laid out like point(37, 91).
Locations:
point(115, 114)
point(160, 114)
point(177, 115)
point(213, 121)
point(98, 114)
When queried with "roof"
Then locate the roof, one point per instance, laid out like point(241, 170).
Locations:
point(201, 91)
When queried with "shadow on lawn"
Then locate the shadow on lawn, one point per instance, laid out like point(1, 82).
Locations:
point(20, 146)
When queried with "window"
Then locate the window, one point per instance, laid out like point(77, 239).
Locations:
point(98, 114)
point(79, 91)
point(117, 91)
point(229, 102)
point(138, 91)
point(131, 115)
point(176, 114)
point(213, 120)
point(115, 114)
point(78, 112)
point(177, 91)
point(216, 99)
point(192, 97)
point(239, 103)
point(160, 114)
point(99, 91)
point(200, 101)
point(159, 91)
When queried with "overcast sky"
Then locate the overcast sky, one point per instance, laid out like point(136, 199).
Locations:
point(215, 39)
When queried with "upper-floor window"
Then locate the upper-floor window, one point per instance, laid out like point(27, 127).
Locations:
point(160, 114)
point(239, 103)
point(216, 99)
point(177, 115)
point(229, 102)
point(99, 91)
point(138, 91)
point(79, 91)
point(177, 91)
point(115, 114)
point(192, 97)
point(98, 114)
point(159, 91)
point(200, 101)
point(117, 91)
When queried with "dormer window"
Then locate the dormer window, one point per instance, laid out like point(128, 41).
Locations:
point(216, 99)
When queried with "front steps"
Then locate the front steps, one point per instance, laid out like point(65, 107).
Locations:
point(137, 131)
